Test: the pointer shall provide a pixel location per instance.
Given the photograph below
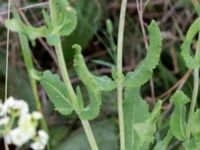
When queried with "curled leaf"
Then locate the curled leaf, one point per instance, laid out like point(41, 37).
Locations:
point(94, 85)
point(145, 70)
point(185, 48)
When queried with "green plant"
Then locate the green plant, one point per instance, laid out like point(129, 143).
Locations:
point(137, 124)
point(63, 95)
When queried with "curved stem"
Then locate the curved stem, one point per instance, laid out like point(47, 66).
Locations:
point(120, 74)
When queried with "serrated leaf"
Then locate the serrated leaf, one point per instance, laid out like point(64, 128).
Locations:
point(135, 111)
point(177, 120)
point(31, 32)
point(190, 61)
point(144, 132)
point(195, 125)
point(145, 70)
point(55, 90)
point(94, 85)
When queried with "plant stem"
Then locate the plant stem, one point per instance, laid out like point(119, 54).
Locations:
point(65, 76)
point(72, 95)
point(195, 90)
point(89, 134)
point(29, 65)
point(120, 74)
point(194, 99)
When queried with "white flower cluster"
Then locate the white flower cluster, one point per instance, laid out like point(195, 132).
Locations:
point(26, 129)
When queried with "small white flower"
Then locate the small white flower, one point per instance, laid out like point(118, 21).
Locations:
point(18, 137)
point(37, 146)
point(22, 107)
point(40, 141)
point(8, 105)
point(4, 120)
point(36, 115)
point(12, 104)
point(43, 136)
point(27, 126)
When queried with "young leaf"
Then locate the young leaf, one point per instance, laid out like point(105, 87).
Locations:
point(144, 132)
point(135, 111)
point(177, 121)
point(93, 83)
point(185, 48)
point(66, 20)
point(195, 125)
point(31, 32)
point(55, 90)
point(145, 70)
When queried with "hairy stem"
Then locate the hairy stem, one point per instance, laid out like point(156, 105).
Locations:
point(120, 74)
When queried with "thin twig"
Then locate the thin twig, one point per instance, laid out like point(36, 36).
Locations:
point(6, 73)
point(180, 82)
point(27, 7)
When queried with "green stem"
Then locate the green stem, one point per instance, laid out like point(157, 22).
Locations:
point(194, 100)
point(73, 97)
point(195, 90)
point(120, 74)
point(89, 134)
point(29, 65)
point(65, 76)
point(26, 52)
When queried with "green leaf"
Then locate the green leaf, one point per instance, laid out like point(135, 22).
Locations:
point(190, 61)
point(66, 20)
point(88, 24)
point(31, 32)
point(56, 91)
point(195, 124)
point(177, 121)
point(191, 145)
point(94, 85)
point(145, 70)
point(144, 132)
point(135, 111)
